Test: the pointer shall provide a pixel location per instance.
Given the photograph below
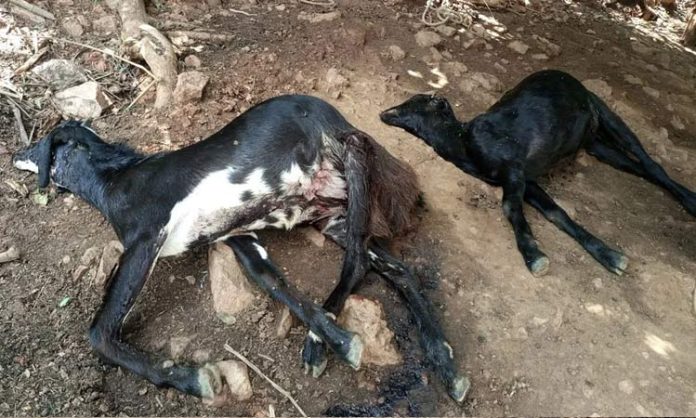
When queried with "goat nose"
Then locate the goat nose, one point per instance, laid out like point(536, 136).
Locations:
point(389, 114)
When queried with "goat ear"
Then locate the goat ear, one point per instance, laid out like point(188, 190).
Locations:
point(45, 156)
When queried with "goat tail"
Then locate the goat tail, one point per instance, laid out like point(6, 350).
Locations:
point(393, 190)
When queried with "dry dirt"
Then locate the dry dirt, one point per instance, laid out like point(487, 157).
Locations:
point(578, 341)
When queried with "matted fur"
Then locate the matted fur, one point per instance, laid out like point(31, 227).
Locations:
point(394, 192)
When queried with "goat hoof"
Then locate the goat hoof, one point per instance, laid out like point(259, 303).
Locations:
point(617, 262)
point(209, 382)
point(354, 356)
point(540, 266)
point(314, 357)
point(459, 388)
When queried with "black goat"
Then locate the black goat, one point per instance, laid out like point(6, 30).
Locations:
point(289, 160)
point(548, 116)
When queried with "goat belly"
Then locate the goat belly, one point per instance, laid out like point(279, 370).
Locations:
point(216, 208)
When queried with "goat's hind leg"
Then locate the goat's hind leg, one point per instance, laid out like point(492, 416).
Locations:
point(513, 195)
point(260, 269)
point(438, 352)
point(135, 266)
point(612, 260)
point(355, 262)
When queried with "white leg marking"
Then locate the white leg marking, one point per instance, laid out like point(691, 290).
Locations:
point(262, 251)
point(314, 337)
point(27, 165)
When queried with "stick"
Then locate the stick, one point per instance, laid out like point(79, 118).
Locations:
point(260, 373)
point(142, 93)
point(34, 9)
point(23, 138)
point(31, 61)
point(10, 255)
point(109, 53)
point(201, 36)
point(327, 3)
point(241, 12)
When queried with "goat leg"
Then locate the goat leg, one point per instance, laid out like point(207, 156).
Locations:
point(438, 352)
point(357, 148)
point(612, 260)
point(135, 266)
point(260, 269)
point(513, 194)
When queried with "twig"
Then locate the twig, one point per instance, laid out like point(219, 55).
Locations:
point(327, 3)
point(34, 9)
point(241, 12)
point(11, 254)
point(31, 61)
point(109, 53)
point(201, 36)
point(260, 373)
point(142, 93)
point(23, 138)
point(10, 94)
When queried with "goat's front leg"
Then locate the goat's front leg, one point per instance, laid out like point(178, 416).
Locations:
point(438, 352)
point(260, 269)
point(513, 195)
point(612, 260)
point(355, 259)
point(135, 266)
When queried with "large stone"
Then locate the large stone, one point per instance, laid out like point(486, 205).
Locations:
point(82, 102)
point(396, 53)
point(519, 47)
point(427, 38)
point(230, 288)
point(487, 81)
point(366, 318)
point(60, 74)
point(189, 86)
point(237, 378)
point(72, 27)
point(598, 87)
point(105, 24)
point(108, 262)
point(335, 83)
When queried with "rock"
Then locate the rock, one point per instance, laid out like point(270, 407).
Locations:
point(286, 320)
point(192, 61)
point(200, 356)
point(677, 123)
point(214, 3)
point(654, 93)
point(540, 57)
point(366, 318)
point(79, 272)
point(455, 68)
point(519, 47)
point(105, 24)
point(396, 53)
point(237, 378)
point(89, 256)
point(108, 262)
point(598, 87)
point(551, 49)
point(631, 79)
point(626, 386)
point(72, 27)
point(60, 74)
point(445, 30)
point(177, 345)
point(335, 82)
point(11, 254)
point(84, 101)
point(426, 38)
point(353, 36)
point(189, 86)
point(314, 236)
point(230, 288)
point(487, 81)
point(320, 17)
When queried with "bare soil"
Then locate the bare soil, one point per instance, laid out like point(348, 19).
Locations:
point(578, 341)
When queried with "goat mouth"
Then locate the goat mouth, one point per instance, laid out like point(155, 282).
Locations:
point(389, 116)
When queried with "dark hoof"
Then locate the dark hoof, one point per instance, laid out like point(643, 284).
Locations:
point(354, 356)
point(614, 261)
point(314, 356)
point(209, 382)
point(539, 266)
point(459, 388)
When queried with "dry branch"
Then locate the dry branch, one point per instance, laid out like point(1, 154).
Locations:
point(23, 138)
point(31, 61)
point(268, 379)
point(201, 36)
point(34, 9)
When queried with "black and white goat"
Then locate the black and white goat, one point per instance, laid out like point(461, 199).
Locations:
point(547, 117)
point(287, 161)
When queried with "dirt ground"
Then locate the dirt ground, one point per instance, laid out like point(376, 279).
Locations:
point(577, 341)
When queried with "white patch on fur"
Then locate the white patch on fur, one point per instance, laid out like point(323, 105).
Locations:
point(208, 208)
point(314, 337)
point(262, 251)
point(27, 165)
